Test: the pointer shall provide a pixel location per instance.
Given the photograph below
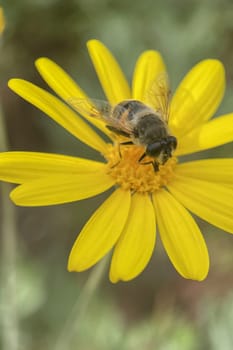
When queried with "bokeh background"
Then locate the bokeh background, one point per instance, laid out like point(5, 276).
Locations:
point(158, 310)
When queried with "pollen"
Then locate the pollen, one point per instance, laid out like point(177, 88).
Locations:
point(130, 174)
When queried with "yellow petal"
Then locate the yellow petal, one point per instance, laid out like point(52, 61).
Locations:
point(213, 170)
point(148, 69)
point(210, 201)
point(101, 232)
point(67, 89)
point(19, 167)
point(109, 73)
point(198, 96)
point(58, 111)
point(181, 237)
point(215, 133)
point(58, 79)
point(136, 244)
point(60, 189)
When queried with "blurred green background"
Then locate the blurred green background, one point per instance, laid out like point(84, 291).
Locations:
point(158, 310)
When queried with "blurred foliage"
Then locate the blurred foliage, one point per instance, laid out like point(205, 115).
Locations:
point(107, 326)
point(158, 310)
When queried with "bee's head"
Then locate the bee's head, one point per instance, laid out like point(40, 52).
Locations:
point(162, 148)
point(154, 149)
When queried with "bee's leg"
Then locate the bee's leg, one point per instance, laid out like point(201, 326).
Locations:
point(142, 157)
point(123, 144)
point(122, 133)
point(156, 166)
point(153, 163)
point(119, 150)
point(127, 143)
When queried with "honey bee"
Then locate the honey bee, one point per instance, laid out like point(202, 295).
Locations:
point(140, 123)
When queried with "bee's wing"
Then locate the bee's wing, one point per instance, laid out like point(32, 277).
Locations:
point(115, 117)
point(159, 95)
point(91, 108)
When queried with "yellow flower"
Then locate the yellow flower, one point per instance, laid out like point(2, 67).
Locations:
point(126, 221)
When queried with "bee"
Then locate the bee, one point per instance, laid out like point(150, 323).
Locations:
point(139, 123)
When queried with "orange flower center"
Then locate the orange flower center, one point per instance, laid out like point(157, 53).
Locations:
point(124, 166)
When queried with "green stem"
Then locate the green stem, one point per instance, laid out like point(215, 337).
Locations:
point(72, 325)
point(10, 326)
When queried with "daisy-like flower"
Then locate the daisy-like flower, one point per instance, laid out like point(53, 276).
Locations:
point(142, 198)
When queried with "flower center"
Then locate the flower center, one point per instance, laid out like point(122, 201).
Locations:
point(124, 166)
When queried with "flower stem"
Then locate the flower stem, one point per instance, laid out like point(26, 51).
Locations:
point(10, 324)
point(72, 325)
